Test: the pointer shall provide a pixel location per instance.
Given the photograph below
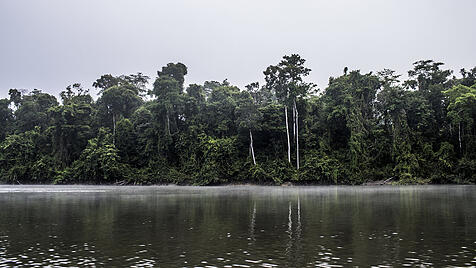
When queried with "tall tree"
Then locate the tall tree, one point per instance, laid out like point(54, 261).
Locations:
point(70, 127)
point(118, 101)
point(32, 110)
point(248, 117)
point(220, 110)
point(462, 111)
point(431, 80)
point(168, 106)
point(168, 88)
point(350, 113)
point(286, 80)
point(392, 107)
point(138, 81)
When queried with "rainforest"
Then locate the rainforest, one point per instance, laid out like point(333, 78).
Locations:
point(361, 128)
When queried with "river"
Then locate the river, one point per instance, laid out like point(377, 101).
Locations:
point(237, 226)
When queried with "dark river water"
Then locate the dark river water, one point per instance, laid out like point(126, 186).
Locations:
point(237, 226)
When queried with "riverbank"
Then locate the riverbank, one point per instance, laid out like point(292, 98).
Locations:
point(286, 184)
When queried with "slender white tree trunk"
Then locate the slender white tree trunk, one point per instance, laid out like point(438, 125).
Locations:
point(114, 128)
point(287, 133)
point(297, 135)
point(294, 120)
point(252, 149)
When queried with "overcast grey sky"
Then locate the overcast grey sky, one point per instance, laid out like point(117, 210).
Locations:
point(49, 44)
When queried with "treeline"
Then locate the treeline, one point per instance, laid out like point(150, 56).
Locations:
point(361, 128)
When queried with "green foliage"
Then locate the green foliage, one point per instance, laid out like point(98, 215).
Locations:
point(466, 171)
point(70, 125)
point(136, 81)
point(247, 114)
point(45, 169)
point(219, 160)
point(360, 128)
point(119, 101)
point(126, 141)
point(462, 114)
point(6, 118)
point(99, 162)
point(444, 164)
point(320, 168)
point(18, 154)
point(286, 79)
point(280, 171)
point(32, 110)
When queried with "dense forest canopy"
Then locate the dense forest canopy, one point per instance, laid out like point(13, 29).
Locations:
point(361, 128)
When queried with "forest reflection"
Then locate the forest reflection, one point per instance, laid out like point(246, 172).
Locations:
point(220, 226)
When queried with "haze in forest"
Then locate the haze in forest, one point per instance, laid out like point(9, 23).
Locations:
point(51, 44)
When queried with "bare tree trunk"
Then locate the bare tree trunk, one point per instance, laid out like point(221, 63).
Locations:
point(297, 135)
point(294, 120)
point(114, 128)
point(287, 133)
point(252, 149)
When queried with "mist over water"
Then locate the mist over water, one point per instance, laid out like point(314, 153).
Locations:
point(241, 226)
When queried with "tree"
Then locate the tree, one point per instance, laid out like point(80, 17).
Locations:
point(247, 117)
point(176, 71)
point(362, 127)
point(469, 77)
point(261, 95)
point(70, 126)
point(350, 118)
point(106, 81)
point(119, 101)
point(194, 109)
point(462, 111)
point(138, 81)
point(18, 153)
point(430, 80)
point(126, 141)
point(99, 162)
point(15, 96)
point(6, 118)
point(32, 110)
point(392, 106)
point(286, 80)
point(220, 110)
point(168, 88)
point(145, 130)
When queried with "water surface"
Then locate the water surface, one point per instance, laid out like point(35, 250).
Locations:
point(240, 226)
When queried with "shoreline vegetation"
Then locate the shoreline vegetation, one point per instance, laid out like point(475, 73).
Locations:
point(362, 129)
